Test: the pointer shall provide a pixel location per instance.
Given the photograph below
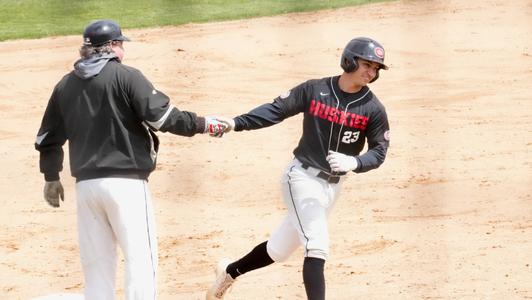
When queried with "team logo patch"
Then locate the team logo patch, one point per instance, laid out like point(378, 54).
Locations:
point(387, 135)
point(379, 52)
point(285, 95)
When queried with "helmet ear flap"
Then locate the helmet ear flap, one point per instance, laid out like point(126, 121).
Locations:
point(349, 65)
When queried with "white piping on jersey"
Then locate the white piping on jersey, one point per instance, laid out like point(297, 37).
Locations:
point(345, 111)
point(40, 138)
point(332, 123)
point(157, 124)
point(153, 153)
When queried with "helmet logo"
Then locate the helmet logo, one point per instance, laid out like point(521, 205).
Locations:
point(285, 94)
point(379, 52)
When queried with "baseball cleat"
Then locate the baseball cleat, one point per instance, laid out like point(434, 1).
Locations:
point(223, 281)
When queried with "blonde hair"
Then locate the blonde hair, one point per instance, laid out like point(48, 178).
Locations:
point(87, 51)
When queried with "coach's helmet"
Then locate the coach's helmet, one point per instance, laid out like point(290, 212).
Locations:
point(365, 48)
point(102, 31)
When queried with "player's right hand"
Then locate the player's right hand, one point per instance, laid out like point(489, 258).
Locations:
point(53, 190)
point(215, 127)
point(230, 122)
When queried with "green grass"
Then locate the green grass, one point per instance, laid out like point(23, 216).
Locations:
point(41, 18)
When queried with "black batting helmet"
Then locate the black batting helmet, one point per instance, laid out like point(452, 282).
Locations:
point(365, 48)
point(102, 31)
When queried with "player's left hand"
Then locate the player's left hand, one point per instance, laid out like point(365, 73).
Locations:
point(340, 162)
point(53, 190)
point(214, 127)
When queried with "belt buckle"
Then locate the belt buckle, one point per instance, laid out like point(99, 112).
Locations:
point(329, 178)
point(326, 176)
point(333, 179)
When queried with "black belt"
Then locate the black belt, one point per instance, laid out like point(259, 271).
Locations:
point(328, 177)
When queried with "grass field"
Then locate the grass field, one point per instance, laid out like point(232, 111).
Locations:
point(40, 18)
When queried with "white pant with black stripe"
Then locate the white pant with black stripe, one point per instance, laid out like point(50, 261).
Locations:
point(309, 200)
point(115, 211)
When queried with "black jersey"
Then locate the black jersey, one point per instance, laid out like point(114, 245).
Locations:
point(109, 121)
point(333, 120)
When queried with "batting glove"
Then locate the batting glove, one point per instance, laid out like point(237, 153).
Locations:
point(53, 190)
point(214, 127)
point(229, 122)
point(340, 162)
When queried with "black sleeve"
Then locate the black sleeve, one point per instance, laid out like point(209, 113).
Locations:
point(378, 142)
point(50, 140)
point(282, 107)
point(154, 108)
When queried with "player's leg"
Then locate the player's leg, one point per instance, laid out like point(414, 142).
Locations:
point(309, 200)
point(131, 216)
point(258, 257)
point(283, 241)
point(255, 259)
point(314, 278)
point(281, 244)
point(97, 242)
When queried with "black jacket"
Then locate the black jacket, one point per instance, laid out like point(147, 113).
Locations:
point(109, 121)
point(333, 120)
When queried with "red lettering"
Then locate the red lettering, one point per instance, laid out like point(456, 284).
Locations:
point(352, 120)
point(364, 123)
point(332, 114)
point(313, 109)
point(343, 117)
point(358, 121)
point(333, 117)
point(324, 111)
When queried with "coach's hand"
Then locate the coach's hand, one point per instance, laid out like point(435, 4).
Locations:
point(53, 190)
point(340, 162)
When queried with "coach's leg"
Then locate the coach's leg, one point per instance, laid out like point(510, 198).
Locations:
point(97, 242)
point(131, 216)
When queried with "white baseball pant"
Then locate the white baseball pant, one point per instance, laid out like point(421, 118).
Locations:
point(115, 211)
point(309, 200)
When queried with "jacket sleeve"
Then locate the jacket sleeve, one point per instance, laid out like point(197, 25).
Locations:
point(268, 114)
point(153, 107)
point(50, 140)
point(378, 142)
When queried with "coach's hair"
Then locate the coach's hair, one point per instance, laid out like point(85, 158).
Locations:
point(87, 51)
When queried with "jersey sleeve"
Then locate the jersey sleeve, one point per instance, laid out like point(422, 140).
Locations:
point(268, 114)
point(50, 140)
point(378, 142)
point(154, 108)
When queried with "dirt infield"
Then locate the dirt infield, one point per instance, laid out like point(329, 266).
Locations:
point(447, 216)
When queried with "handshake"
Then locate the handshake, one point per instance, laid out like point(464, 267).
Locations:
point(217, 126)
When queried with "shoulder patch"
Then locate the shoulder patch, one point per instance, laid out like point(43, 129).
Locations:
point(285, 94)
point(387, 135)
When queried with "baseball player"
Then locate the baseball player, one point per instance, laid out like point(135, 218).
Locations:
point(340, 115)
point(109, 112)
